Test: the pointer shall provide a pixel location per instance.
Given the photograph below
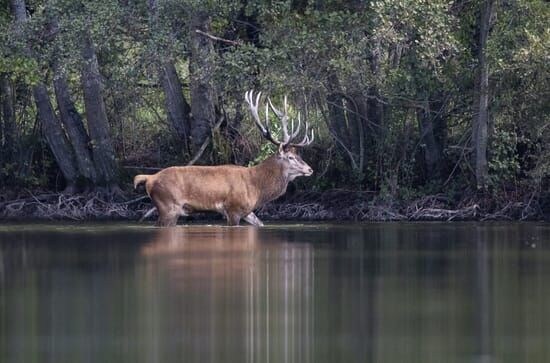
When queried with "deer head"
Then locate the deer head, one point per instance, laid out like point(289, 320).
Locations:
point(287, 155)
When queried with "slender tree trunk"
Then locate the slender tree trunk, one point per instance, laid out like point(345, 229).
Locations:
point(376, 135)
point(19, 10)
point(376, 138)
point(480, 126)
point(75, 129)
point(431, 138)
point(335, 104)
point(7, 128)
point(2, 145)
point(358, 130)
point(177, 108)
point(51, 127)
point(200, 69)
point(339, 122)
point(98, 125)
point(375, 108)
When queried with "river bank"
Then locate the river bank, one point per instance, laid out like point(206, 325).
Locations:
point(334, 205)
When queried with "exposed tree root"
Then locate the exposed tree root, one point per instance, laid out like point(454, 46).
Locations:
point(436, 207)
point(362, 206)
point(73, 207)
point(311, 206)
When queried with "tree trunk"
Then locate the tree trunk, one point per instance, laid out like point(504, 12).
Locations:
point(480, 126)
point(19, 10)
point(7, 127)
point(51, 127)
point(75, 128)
point(71, 118)
point(2, 145)
point(55, 136)
point(358, 109)
point(375, 108)
point(360, 102)
point(335, 104)
point(200, 70)
point(98, 125)
point(339, 122)
point(177, 108)
point(431, 136)
point(376, 136)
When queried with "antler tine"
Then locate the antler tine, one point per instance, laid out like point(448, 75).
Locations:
point(254, 108)
point(306, 137)
point(283, 117)
point(267, 117)
point(264, 129)
point(306, 140)
point(293, 132)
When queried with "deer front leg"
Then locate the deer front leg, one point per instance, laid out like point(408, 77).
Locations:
point(233, 218)
point(253, 219)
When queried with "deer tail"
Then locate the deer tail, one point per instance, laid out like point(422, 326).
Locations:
point(139, 179)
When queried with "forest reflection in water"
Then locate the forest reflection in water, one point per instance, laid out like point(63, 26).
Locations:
point(394, 292)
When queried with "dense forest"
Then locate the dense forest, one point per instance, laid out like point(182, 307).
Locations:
point(421, 109)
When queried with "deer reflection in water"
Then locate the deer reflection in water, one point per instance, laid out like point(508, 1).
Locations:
point(387, 292)
point(235, 291)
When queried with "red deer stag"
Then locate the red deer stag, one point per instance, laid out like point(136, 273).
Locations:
point(231, 190)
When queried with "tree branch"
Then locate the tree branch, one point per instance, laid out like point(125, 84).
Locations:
point(213, 37)
point(205, 143)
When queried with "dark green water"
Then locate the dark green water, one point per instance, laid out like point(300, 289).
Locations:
point(423, 292)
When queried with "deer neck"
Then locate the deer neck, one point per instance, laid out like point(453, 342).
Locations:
point(270, 179)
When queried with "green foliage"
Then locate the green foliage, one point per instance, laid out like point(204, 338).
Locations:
point(20, 68)
point(402, 56)
point(504, 162)
point(266, 150)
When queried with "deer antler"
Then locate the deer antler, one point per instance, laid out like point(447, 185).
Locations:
point(264, 129)
point(306, 140)
point(283, 117)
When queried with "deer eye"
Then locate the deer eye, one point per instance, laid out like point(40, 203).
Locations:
point(291, 158)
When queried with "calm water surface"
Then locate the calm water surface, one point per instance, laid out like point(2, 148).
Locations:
point(423, 292)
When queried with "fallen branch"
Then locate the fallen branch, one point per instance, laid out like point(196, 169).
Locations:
point(213, 37)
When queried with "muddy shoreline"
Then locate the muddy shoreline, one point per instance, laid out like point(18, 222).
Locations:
point(333, 205)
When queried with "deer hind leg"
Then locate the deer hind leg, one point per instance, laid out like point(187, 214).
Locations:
point(253, 220)
point(186, 210)
point(168, 215)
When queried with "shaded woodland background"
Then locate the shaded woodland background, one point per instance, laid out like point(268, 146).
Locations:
point(410, 99)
